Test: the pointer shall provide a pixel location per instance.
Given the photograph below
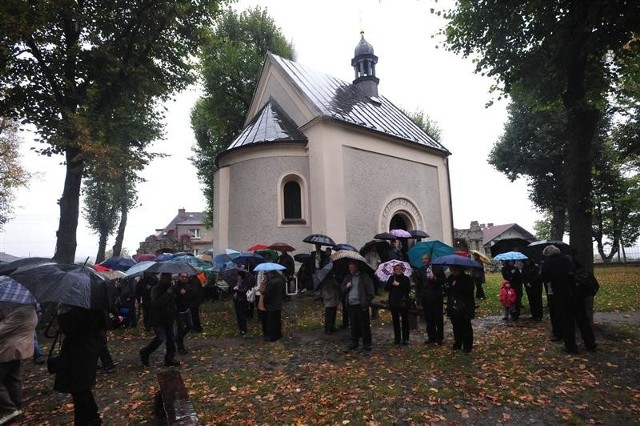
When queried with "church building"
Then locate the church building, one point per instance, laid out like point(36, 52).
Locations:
point(321, 155)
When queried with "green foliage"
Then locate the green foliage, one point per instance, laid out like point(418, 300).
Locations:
point(67, 66)
point(231, 62)
point(12, 173)
point(426, 123)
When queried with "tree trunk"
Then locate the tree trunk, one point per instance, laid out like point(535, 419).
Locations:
point(66, 242)
point(117, 246)
point(558, 218)
point(102, 247)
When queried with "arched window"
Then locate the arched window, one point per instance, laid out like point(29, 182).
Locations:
point(292, 196)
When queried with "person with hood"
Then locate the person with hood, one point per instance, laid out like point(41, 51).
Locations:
point(398, 286)
point(359, 291)
point(163, 317)
point(460, 307)
point(82, 331)
point(558, 271)
point(17, 327)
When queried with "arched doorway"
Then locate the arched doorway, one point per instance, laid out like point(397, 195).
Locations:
point(399, 221)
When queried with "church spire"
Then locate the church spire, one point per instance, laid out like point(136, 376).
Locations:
point(364, 64)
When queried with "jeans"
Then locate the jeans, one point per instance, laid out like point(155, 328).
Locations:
point(163, 334)
point(360, 326)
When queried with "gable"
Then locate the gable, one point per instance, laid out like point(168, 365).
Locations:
point(496, 232)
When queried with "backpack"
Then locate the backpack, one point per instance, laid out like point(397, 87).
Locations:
point(586, 283)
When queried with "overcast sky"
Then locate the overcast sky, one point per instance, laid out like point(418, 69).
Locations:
point(414, 74)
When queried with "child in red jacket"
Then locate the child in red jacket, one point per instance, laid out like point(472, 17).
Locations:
point(508, 298)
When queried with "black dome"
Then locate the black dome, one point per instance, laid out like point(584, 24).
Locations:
point(363, 48)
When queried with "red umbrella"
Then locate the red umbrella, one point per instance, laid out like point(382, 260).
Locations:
point(256, 247)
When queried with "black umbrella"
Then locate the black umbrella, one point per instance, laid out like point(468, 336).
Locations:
point(535, 249)
point(416, 233)
point(27, 261)
point(76, 285)
point(344, 246)
point(323, 240)
point(302, 257)
point(249, 260)
point(385, 236)
point(172, 268)
point(508, 244)
point(381, 247)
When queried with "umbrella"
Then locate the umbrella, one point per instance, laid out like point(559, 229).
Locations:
point(302, 257)
point(76, 285)
point(344, 246)
point(385, 270)
point(172, 268)
point(534, 250)
point(510, 255)
point(163, 257)
point(139, 268)
point(342, 257)
point(269, 266)
point(323, 240)
point(143, 257)
point(118, 263)
point(231, 275)
point(20, 263)
point(416, 233)
point(380, 245)
point(455, 260)
point(508, 244)
point(268, 254)
point(321, 274)
point(232, 253)
point(400, 233)
point(14, 292)
point(205, 257)
point(111, 274)
point(284, 247)
point(481, 257)
point(434, 248)
point(193, 261)
point(249, 260)
point(256, 247)
point(384, 236)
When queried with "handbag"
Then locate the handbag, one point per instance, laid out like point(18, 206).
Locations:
point(251, 294)
point(55, 363)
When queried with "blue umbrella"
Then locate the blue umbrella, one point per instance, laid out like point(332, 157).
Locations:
point(268, 266)
point(139, 268)
point(510, 255)
point(118, 263)
point(163, 257)
point(434, 248)
point(249, 260)
point(456, 260)
point(14, 292)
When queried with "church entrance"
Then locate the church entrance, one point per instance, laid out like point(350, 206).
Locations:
point(398, 221)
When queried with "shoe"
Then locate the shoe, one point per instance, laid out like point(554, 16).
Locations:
point(367, 348)
point(352, 347)
point(439, 342)
point(555, 339)
point(573, 351)
point(183, 351)
point(592, 348)
point(10, 416)
point(172, 363)
point(429, 341)
point(505, 319)
point(405, 342)
point(40, 359)
point(144, 358)
point(456, 347)
point(109, 368)
point(396, 342)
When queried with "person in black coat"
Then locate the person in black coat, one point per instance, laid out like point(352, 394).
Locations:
point(533, 287)
point(82, 330)
point(272, 296)
point(398, 286)
point(558, 270)
point(163, 318)
point(460, 307)
point(184, 294)
point(143, 295)
point(429, 293)
point(240, 302)
point(196, 301)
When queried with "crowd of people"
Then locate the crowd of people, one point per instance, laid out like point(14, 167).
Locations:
point(170, 309)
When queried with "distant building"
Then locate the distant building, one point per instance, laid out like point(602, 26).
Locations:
point(185, 233)
point(487, 238)
point(321, 155)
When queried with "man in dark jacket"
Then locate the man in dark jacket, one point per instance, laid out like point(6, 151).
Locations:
point(460, 307)
point(143, 295)
point(273, 305)
point(558, 270)
point(429, 292)
point(360, 292)
point(184, 294)
point(163, 317)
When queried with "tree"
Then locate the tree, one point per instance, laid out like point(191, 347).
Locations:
point(12, 174)
point(565, 51)
point(533, 146)
point(61, 61)
point(426, 123)
point(231, 62)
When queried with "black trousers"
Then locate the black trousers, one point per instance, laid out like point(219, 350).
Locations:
point(330, 314)
point(85, 409)
point(360, 325)
point(166, 335)
point(400, 318)
point(274, 324)
point(434, 319)
point(534, 295)
point(554, 317)
point(462, 333)
point(571, 314)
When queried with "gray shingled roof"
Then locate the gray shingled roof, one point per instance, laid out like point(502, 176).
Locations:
point(345, 102)
point(271, 123)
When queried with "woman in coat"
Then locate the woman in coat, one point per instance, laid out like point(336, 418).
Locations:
point(82, 330)
point(240, 302)
point(398, 286)
point(460, 307)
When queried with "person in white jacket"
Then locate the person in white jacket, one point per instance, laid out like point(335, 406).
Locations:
point(17, 325)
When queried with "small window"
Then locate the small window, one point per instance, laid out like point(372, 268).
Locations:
point(195, 233)
point(292, 200)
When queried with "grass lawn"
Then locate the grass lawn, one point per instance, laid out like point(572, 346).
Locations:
point(513, 376)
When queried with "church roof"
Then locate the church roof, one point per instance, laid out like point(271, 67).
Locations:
point(271, 123)
point(494, 232)
point(346, 102)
